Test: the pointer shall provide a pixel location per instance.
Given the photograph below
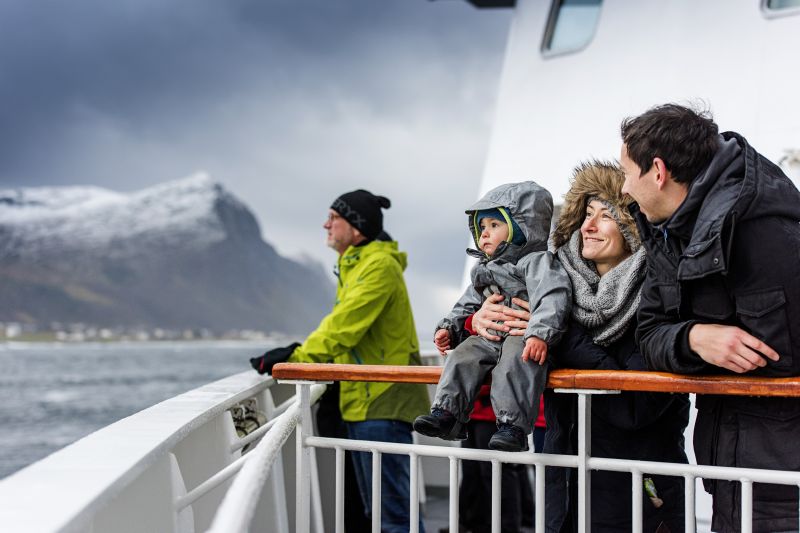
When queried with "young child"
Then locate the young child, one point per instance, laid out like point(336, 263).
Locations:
point(510, 225)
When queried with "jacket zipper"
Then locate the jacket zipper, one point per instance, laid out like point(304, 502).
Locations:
point(360, 362)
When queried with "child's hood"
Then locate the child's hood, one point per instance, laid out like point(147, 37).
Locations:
point(531, 207)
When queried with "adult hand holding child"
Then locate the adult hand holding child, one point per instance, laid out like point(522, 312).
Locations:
point(494, 315)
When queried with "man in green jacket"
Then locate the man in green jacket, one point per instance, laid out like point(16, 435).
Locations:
point(371, 323)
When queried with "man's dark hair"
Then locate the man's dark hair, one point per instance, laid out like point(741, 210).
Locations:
point(685, 139)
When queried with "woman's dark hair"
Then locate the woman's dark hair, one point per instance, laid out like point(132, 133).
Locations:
point(684, 138)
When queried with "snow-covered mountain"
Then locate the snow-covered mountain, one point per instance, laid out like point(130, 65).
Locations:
point(181, 254)
point(180, 212)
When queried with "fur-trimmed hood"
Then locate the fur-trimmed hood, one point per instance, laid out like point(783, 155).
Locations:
point(601, 179)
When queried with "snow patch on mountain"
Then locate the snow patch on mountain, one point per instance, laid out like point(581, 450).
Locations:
point(78, 217)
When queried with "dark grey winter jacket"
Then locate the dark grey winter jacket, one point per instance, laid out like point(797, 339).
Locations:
point(730, 255)
point(643, 426)
point(526, 271)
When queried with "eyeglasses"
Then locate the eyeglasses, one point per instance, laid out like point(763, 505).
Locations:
point(332, 217)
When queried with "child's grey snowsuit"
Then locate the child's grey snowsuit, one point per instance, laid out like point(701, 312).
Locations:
point(527, 271)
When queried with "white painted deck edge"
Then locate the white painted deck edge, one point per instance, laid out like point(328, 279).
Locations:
point(64, 490)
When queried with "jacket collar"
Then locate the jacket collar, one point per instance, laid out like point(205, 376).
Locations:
point(506, 253)
point(709, 207)
point(354, 254)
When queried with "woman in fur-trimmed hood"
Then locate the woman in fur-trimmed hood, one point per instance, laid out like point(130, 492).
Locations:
point(597, 243)
point(602, 180)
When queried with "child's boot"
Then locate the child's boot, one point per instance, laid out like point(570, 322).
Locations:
point(441, 424)
point(508, 438)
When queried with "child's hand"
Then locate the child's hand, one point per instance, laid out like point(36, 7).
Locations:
point(442, 340)
point(535, 349)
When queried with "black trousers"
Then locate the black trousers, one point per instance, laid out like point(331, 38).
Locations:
point(475, 493)
point(330, 424)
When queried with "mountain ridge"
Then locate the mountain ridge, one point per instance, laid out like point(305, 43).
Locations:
point(183, 254)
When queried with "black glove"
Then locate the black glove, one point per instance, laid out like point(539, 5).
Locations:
point(264, 363)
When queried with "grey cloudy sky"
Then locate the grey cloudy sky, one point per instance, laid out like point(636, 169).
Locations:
point(287, 103)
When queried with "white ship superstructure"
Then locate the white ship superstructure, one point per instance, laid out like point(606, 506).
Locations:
point(575, 68)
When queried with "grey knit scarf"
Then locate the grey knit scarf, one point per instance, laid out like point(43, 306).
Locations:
point(605, 306)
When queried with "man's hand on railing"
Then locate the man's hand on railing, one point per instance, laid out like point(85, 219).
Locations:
point(264, 363)
point(729, 347)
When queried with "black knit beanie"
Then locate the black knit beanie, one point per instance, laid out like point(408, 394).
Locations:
point(362, 210)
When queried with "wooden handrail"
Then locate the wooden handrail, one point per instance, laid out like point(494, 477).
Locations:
point(628, 380)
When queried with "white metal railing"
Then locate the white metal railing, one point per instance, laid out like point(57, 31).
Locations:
point(238, 507)
point(132, 475)
point(583, 462)
point(229, 471)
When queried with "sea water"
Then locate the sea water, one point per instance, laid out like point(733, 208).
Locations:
point(53, 394)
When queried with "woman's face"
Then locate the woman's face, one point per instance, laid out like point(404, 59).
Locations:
point(603, 242)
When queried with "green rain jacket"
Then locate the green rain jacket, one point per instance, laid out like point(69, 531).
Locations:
point(371, 324)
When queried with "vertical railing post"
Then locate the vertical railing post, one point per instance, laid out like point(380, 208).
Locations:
point(637, 499)
point(540, 501)
point(316, 497)
point(303, 465)
point(453, 515)
point(376, 491)
point(689, 504)
point(413, 499)
point(281, 519)
point(747, 506)
point(497, 470)
point(340, 457)
point(584, 452)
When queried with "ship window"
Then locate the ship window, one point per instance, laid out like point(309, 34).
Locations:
point(782, 4)
point(570, 26)
point(779, 8)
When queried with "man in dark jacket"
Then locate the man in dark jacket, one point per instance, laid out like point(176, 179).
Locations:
point(721, 227)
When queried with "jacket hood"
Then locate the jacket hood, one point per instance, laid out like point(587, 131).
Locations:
point(529, 205)
point(603, 180)
point(355, 253)
point(738, 185)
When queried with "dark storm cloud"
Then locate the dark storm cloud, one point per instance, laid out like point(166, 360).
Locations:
point(152, 67)
point(287, 102)
point(123, 60)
